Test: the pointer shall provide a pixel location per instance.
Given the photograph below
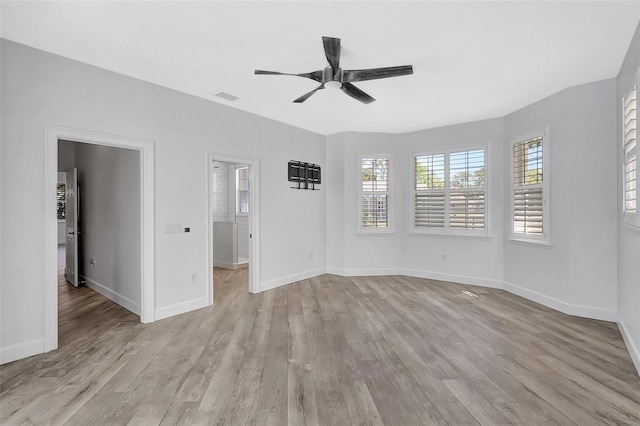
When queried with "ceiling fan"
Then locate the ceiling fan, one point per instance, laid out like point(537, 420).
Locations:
point(336, 76)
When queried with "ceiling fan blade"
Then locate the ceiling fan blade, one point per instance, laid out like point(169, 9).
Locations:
point(306, 96)
point(356, 93)
point(314, 75)
point(332, 51)
point(376, 73)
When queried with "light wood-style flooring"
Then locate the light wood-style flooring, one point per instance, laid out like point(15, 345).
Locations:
point(327, 351)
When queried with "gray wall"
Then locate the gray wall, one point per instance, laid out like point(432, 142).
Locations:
point(110, 199)
point(40, 88)
point(577, 272)
point(628, 238)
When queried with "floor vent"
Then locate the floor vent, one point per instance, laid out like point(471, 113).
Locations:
point(226, 96)
point(468, 293)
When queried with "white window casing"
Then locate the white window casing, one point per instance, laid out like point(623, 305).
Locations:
point(374, 201)
point(630, 157)
point(530, 188)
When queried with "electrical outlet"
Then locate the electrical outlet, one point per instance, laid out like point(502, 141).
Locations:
point(194, 277)
point(92, 262)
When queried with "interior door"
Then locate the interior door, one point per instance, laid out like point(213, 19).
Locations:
point(71, 208)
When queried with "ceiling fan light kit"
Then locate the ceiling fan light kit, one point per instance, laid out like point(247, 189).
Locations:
point(333, 75)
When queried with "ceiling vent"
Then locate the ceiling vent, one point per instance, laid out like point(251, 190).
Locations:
point(226, 96)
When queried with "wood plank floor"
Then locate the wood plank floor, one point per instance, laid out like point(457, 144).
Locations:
point(327, 351)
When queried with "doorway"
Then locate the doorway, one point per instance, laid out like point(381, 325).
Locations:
point(233, 213)
point(144, 150)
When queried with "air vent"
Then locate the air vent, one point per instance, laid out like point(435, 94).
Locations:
point(226, 96)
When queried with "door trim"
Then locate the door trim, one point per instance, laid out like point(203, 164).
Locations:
point(254, 218)
point(54, 133)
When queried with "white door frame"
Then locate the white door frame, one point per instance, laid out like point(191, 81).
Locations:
point(254, 218)
point(146, 150)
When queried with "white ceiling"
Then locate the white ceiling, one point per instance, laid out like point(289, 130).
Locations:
point(472, 60)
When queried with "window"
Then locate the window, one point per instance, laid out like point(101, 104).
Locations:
point(630, 166)
point(242, 185)
point(374, 193)
point(530, 188)
point(61, 198)
point(450, 192)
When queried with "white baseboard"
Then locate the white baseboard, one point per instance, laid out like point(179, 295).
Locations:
point(21, 350)
point(271, 284)
point(559, 305)
point(181, 308)
point(365, 272)
point(114, 296)
point(222, 264)
point(461, 279)
point(633, 349)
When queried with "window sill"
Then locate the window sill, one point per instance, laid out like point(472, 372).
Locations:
point(455, 236)
point(631, 227)
point(531, 242)
point(375, 233)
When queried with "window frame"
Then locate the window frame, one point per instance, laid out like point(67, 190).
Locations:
point(628, 218)
point(545, 238)
point(447, 231)
point(239, 211)
point(361, 229)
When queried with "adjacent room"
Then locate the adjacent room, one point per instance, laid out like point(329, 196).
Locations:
point(390, 212)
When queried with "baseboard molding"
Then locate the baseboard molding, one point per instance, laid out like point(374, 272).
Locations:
point(633, 349)
point(227, 265)
point(21, 350)
point(114, 296)
point(559, 305)
point(365, 272)
point(181, 308)
point(271, 284)
point(460, 279)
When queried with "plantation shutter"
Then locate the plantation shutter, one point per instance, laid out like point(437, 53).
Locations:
point(467, 194)
point(430, 203)
point(375, 192)
point(528, 198)
point(630, 152)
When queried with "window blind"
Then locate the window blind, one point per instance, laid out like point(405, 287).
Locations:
point(450, 191)
point(374, 202)
point(528, 201)
point(630, 152)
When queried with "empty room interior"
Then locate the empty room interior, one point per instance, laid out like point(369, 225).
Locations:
point(319, 213)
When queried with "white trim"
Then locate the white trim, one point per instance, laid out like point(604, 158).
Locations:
point(534, 243)
point(632, 220)
point(289, 279)
point(228, 265)
point(559, 305)
point(417, 273)
point(454, 278)
point(116, 297)
point(21, 350)
point(147, 271)
point(389, 193)
point(634, 350)
point(254, 219)
point(546, 187)
point(182, 307)
point(365, 272)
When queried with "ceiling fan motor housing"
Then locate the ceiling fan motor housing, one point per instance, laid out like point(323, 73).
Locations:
point(329, 75)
